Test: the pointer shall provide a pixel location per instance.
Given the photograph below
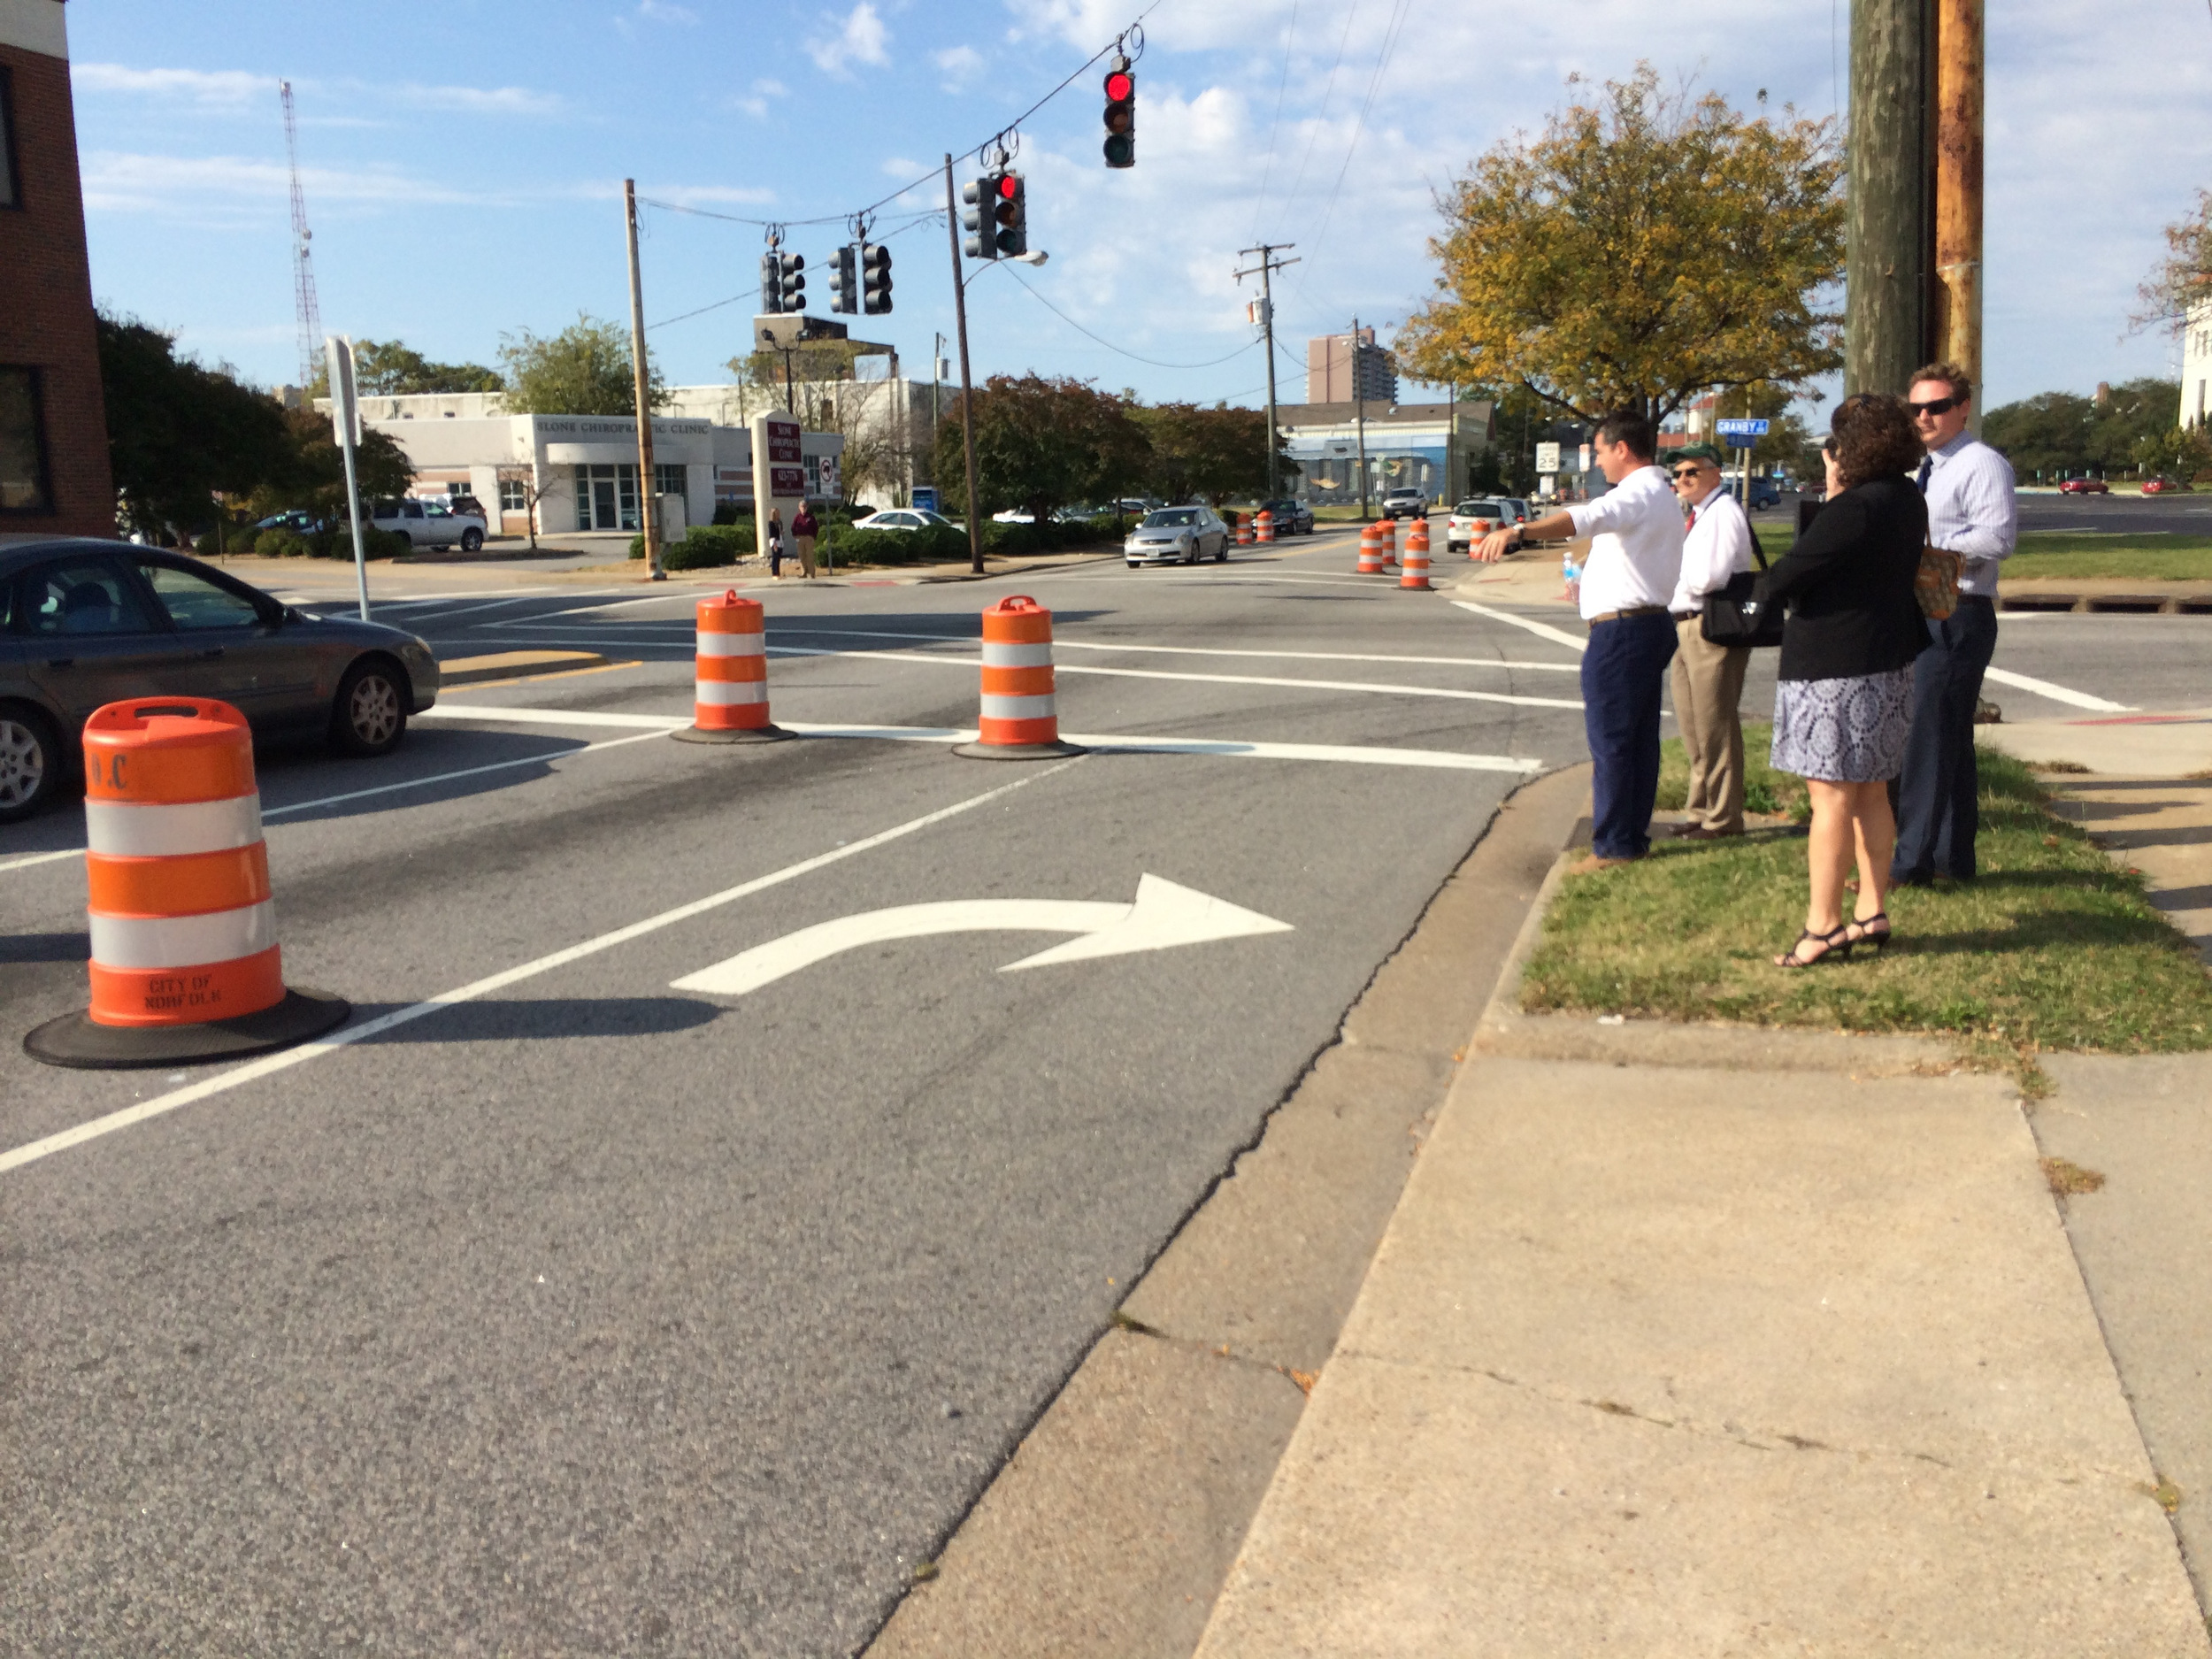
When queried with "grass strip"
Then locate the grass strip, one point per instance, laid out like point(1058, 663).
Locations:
point(2121, 557)
point(2053, 947)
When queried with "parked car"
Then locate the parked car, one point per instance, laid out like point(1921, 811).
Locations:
point(1473, 520)
point(1177, 535)
point(903, 518)
point(2164, 485)
point(1518, 506)
point(2084, 486)
point(466, 506)
point(298, 519)
point(89, 623)
point(1405, 502)
point(1292, 518)
point(1764, 492)
point(429, 524)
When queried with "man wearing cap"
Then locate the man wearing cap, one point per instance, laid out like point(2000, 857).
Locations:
point(1708, 678)
point(1635, 531)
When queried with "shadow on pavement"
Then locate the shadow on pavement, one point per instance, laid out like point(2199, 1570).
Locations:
point(46, 948)
point(496, 1020)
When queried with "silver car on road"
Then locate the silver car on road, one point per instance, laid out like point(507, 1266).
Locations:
point(1177, 535)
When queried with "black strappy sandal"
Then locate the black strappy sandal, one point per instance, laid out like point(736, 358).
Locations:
point(1864, 933)
point(1838, 949)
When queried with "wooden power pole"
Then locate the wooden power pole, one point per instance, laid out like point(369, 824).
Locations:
point(1889, 236)
point(648, 510)
point(1955, 296)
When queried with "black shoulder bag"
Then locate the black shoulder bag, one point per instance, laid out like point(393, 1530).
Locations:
point(1736, 615)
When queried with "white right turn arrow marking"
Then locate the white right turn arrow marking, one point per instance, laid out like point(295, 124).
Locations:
point(1165, 915)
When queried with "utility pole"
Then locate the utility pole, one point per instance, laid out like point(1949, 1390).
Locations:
point(1359, 403)
point(1268, 265)
point(1955, 296)
point(967, 394)
point(1890, 235)
point(648, 510)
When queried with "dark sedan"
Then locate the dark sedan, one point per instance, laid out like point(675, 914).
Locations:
point(1292, 518)
point(84, 623)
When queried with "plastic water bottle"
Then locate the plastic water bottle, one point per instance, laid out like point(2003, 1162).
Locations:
point(1570, 568)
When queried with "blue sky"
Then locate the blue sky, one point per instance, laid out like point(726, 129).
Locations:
point(463, 163)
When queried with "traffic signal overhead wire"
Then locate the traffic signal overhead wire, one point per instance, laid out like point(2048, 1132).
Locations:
point(930, 177)
point(1123, 351)
point(932, 216)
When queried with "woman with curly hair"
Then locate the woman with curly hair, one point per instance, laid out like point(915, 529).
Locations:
point(1843, 709)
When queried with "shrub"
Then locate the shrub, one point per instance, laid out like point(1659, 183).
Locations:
point(703, 547)
point(232, 543)
point(282, 542)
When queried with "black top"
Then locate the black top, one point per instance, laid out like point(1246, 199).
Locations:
point(1849, 583)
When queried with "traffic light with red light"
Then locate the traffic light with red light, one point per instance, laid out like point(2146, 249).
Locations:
point(1013, 215)
point(1121, 115)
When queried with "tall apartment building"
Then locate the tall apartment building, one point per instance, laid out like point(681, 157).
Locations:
point(53, 472)
point(1340, 370)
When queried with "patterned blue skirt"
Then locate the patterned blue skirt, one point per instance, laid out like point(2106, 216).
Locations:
point(1843, 731)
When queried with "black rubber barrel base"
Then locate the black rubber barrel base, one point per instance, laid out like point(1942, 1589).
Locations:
point(74, 1040)
point(757, 735)
point(1018, 751)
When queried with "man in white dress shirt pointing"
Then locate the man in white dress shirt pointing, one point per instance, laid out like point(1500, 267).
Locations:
point(1635, 531)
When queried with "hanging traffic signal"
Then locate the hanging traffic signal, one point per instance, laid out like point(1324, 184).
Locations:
point(770, 285)
point(791, 282)
point(875, 278)
point(844, 281)
point(1013, 215)
point(979, 221)
point(1121, 115)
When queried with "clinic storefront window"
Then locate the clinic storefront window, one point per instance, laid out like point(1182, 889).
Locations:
point(606, 497)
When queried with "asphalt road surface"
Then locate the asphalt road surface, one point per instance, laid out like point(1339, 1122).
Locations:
point(568, 1312)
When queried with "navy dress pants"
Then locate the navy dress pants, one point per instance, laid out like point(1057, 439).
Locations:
point(1623, 677)
point(1938, 795)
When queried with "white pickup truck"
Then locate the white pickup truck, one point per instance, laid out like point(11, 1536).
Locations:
point(429, 524)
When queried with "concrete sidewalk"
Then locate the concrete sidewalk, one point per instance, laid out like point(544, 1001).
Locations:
point(1702, 1340)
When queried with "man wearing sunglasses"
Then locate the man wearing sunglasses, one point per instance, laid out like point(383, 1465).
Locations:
point(1970, 512)
point(1709, 677)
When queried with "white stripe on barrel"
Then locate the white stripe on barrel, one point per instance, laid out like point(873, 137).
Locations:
point(181, 942)
point(122, 829)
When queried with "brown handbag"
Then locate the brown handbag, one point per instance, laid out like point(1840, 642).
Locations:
point(1936, 583)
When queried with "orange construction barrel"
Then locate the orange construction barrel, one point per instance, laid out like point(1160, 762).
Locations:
point(1020, 716)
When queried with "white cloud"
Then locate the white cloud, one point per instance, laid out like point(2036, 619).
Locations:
point(860, 39)
point(228, 90)
point(708, 195)
point(210, 88)
point(959, 64)
point(667, 11)
point(755, 102)
point(124, 182)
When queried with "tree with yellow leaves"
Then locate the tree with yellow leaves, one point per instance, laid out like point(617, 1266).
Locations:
point(1646, 249)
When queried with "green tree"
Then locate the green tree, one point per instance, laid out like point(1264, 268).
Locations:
point(1644, 249)
point(310, 472)
point(1211, 453)
point(2063, 434)
point(1043, 444)
point(390, 368)
point(180, 433)
point(584, 370)
point(2179, 452)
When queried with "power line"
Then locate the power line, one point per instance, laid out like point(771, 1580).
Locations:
point(929, 177)
point(1123, 351)
point(1274, 126)
point(919, 219)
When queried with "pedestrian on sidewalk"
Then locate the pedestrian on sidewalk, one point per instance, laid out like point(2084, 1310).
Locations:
point(1971, 513)
point(1628, 582)
point(1843, 707)
point(802, 531)
point(1709, 677)
point(775, 543)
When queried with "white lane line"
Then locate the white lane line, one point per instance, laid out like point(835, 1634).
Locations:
point(2056, 694)
point(1060, 643)
point(1361, 755)
point(382, 788)
point(1542, 630)
point(30, 1152)
point(490, 604)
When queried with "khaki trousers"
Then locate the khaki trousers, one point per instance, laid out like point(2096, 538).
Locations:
point(805, 544)
point(1708, 690)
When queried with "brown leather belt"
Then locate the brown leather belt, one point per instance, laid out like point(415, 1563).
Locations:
point(1633, 611)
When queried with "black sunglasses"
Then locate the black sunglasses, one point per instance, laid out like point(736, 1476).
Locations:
point(1938, 406)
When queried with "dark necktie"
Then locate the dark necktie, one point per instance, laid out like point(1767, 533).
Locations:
point(1927, 466)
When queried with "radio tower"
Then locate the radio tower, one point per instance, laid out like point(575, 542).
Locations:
point(311, 316)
